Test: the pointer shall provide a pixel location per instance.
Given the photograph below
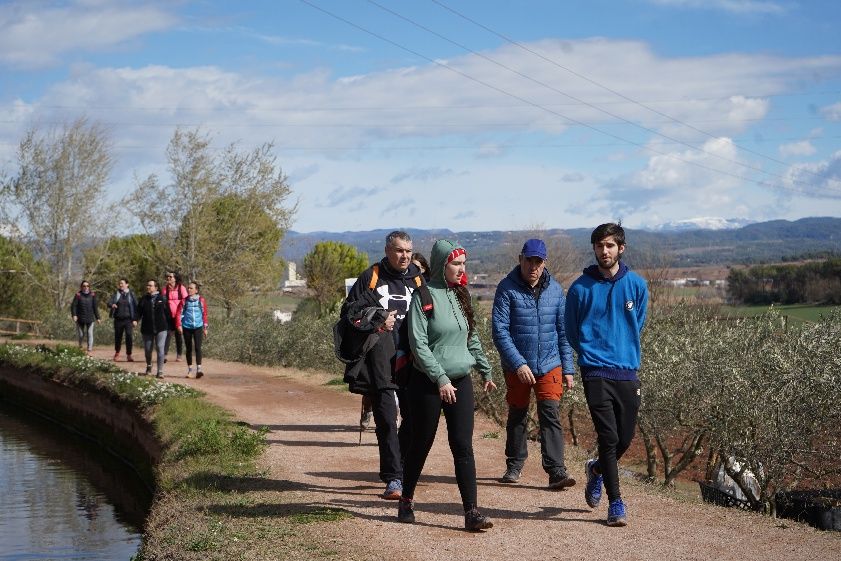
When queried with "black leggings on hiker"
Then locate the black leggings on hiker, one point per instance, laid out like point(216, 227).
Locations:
point(193, 337)
point(425, 405)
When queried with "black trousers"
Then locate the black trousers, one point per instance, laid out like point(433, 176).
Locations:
point(426, 405)
point(179, 341)
point(613, 405)
point(378, 363)
point(122, 326)
point(193, 338)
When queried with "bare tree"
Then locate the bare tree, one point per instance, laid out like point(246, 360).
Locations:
point(55, 203)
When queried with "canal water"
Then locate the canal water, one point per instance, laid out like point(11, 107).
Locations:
point(61, 498)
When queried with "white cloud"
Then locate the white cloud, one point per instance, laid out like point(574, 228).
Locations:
point(731, 6)
point(832, 112)
point(705, 181)
point(37, 34)
point(801, 148)
point(817, 179)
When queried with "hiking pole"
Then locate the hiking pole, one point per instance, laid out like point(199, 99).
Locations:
point(361, 426)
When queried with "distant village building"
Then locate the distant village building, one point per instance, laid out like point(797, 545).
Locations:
point(293, 281)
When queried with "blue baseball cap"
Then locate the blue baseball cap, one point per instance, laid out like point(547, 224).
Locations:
point(534, 248)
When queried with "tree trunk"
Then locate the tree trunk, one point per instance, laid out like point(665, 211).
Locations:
point(650, 454)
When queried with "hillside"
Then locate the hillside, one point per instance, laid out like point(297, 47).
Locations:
point(762, 242)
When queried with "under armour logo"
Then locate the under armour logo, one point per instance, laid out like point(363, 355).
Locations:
point(629, 305)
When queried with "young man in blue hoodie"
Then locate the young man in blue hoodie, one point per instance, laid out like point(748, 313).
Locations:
point(605, 313)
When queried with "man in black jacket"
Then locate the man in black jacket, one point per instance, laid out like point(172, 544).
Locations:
point(123, 309)
point(388, 284)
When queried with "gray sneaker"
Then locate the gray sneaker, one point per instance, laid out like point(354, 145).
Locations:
point(511, 475)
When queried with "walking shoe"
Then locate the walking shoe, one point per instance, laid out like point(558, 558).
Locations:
point(393, 490)
point(199, 373)
point(616, 515)
point(177, 358)
point(129, 359)
point(148, 370)
point(593, 489)
point(116, 356)
point(560, 480)
point(475, 521)
point(406, 511)
point(511, 475)
point(190, 372)
point(160, 374)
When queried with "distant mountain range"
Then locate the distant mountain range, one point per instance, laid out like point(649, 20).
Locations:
point(682, 244)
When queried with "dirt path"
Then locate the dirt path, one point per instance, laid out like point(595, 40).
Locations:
point(313, 446)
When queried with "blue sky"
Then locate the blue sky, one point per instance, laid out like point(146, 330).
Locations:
point(468, 115)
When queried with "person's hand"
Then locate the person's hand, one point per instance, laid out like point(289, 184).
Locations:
point(389, 321)
point(447, 393)
point(180, 330)
point(99, 321)
point(134, 324)
point(75, 318)
point(525, 376)
point(569, 381)
point(489, 386)
point(205, 332)
point(113, 306)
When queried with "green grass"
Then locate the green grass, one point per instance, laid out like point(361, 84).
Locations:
point(796, 312)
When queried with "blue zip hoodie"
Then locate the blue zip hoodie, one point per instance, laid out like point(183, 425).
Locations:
point(604, 319)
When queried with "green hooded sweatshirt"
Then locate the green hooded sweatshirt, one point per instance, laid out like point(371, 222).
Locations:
point(440, 344)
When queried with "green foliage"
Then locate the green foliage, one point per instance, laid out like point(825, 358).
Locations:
point(236, 254)
point(225, 214)
point(327, 266)
point(55, 201)
point(756, 389)
point(21, 296)
point(787, 284)
point(136, 257)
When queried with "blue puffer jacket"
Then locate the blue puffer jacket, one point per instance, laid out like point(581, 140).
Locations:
point(529, 331)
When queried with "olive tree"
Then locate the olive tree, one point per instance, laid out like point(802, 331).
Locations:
point(55, 202)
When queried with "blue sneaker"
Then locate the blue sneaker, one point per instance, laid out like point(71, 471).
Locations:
point(616, 515)
point(593, 489)
point(393, 490)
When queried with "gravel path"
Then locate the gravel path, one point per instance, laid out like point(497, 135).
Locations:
point(313, 445)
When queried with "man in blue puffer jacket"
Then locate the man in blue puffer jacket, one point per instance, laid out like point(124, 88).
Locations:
point(528, 331)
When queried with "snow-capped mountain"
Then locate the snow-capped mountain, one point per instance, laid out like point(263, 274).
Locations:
point(702, 223)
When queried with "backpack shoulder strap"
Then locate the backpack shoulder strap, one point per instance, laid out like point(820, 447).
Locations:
point(375, 276)
point(426, 300)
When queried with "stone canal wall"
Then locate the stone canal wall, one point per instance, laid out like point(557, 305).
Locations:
point(116, 426)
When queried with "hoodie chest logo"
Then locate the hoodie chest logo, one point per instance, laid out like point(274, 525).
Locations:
point(629, 305)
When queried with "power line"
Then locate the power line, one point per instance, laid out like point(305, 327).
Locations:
point(570, 96)
point(598, 84)
point(539, 106)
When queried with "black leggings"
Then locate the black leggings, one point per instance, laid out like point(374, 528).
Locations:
point(170, 332)
point(190, 336)
point(613, 406)
point(425, 405)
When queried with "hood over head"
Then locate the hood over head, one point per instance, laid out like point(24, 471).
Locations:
point(440, 256)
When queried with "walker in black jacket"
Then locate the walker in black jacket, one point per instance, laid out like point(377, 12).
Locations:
point(152, 314)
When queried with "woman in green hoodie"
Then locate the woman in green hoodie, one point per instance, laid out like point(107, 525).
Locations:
point(446, 348)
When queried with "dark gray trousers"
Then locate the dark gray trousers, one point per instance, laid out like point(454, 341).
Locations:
point(551, 437)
